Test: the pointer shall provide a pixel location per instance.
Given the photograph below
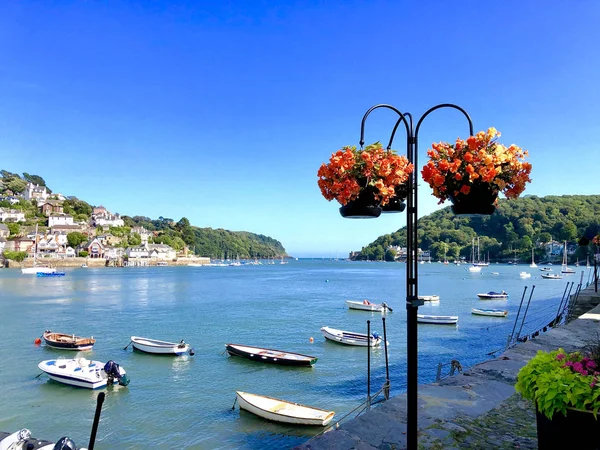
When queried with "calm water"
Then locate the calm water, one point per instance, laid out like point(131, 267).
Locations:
point(186, 402)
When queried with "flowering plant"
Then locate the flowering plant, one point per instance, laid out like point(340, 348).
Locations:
point(558, 380)
point(454, 169)
point(350, 170)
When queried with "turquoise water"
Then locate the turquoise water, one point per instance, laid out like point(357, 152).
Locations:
point(185, 402)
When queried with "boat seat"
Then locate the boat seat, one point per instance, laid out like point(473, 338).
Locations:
point(278, 407)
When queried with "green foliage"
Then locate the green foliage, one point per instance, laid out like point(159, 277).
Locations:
point(83, 254)
point(555, 387)
point(35, 179)
point(14, 228)
point(517, 224)
point(76, 207)
point(15, 256)
point(390, 254)
point(16, 185)
point(75, 238)
point(134, 239)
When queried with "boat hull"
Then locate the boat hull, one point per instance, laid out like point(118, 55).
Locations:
point(277, 410)
point(36, 270)
point(349, 338)
point(493, 296)
point(157, 347)
point(437, 320)
point(63, 341)
point(489, 312)
point(267, 355)
point(79, 372)
point(429, 298)
point(373, 307)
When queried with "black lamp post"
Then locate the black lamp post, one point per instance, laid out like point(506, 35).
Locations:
point(412, 264)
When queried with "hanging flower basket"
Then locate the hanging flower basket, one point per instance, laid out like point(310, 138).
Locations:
point(396, 203)
point(365, 180)
point(472, 173)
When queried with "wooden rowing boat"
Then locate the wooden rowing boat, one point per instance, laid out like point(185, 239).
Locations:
point(269, 355)
point(278, 410)
point(489, 312)
point(437, 320)
point(64, 341)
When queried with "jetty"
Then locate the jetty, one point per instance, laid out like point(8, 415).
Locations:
point(478, 408)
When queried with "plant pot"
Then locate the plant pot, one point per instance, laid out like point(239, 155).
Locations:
point(577, 430)
point(364, 207)
point(480, 201)
point(396, 204)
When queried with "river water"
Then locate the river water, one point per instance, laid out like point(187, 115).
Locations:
point(186, 402)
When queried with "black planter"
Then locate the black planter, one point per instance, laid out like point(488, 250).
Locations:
point(364, 207)
point(577, 430)
point(396, 204)
point(480, 201)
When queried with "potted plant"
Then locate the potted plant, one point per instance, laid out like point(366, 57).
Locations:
point(365, 180)
point(565, 388)
point(471, 173)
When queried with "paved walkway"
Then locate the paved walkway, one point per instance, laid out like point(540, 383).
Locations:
point(478, 409)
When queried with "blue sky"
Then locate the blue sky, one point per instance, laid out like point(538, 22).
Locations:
point(222, 112)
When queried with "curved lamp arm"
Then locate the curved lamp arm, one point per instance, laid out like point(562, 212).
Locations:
point(409, 115)
point(362, 124)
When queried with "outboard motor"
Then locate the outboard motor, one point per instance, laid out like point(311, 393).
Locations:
point(113, 372)
point(64, 443)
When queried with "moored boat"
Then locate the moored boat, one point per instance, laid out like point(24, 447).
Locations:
point(437, 320)
point(81, 372)
point(351, 338)
point(429, 298)
point(64, 341)
point(269, 355)
point(366, 305)
point(157, 347)
point(493, 295)
point(552, 276)
point(524, 274)
point(22, 440)
point(283, 411)
point(50, 274)
point(489, 312)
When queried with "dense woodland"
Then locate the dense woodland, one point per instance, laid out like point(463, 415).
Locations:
point(515, 227)
point(215, 243)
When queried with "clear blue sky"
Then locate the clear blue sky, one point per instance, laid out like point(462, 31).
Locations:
point(222, 112)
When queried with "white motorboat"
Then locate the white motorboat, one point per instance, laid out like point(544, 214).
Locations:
point(493, 295)
point(84, 373)
point(524, 274)
point(438, 320)
point(278, 410)
point(351, 338)
point(161, 347)
point(489, 312)
point(545, 269)
point(551, 276)
point(429, 298)
point(22, 440)
point(366, 305)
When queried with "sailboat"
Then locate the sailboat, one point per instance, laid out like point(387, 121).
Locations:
point(478, 262)
point(474, 267)
point(565, 268)
point(533, 264)
point(36, 269)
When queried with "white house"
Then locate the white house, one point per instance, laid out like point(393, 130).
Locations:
point(161, 251)
point(137, 252)
point(11, 215)
point(144, 234)
point(60, 219)
point(111, 220)
point(35, 192)
point(113, 252)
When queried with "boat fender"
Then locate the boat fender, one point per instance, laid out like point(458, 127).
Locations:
point(375, 335)
point(191, 351)
point(65, 443)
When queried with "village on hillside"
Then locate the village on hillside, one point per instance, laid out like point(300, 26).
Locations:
point(97, 242)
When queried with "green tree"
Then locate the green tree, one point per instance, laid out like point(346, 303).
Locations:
point(390, 254)
point(16, 185)
point(35, 179)
point(14, 228)
point(75, 238)
point(134, 239)
point(83, 254)
point(15, 256)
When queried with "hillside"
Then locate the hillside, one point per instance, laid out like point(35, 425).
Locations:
point(214, 243)
point(513, 229)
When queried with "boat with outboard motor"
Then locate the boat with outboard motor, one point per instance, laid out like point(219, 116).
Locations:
point(269, 355)
point(493, 295)
point(64, 341)
point(85, 373)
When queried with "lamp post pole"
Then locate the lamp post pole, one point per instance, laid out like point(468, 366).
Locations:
point(412, 263)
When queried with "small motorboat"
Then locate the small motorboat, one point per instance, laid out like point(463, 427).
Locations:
point(278, 410)
point(22, 440)
point(489, 312)
point(64, 341)
point(545, 269)
point(366, 305)
point(50, 274)
point(269, 355)
point(493, 295)
point(351, 338)
point(81, 372)
point(524, 274)
point(437, 320)
point(551, 276)
point(157, 347)
point(429, 298)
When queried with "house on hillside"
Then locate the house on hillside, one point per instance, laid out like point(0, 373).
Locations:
point(2, 244)
point(10, 199)
point(140, 251)
point(35, 192)
point(101, 217)
point(144, 234)
point(11, 215)
point(60, 219)
point(94, 248)
point(4, 231)
point(161, 251)
point(21, 245)
point(50, 207)
point(113, 253)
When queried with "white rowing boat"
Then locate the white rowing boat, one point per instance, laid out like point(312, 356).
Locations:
point(161, 347)
point(429, 298)
point(278, 410)
point(351, 338)
point(551, 276)
point(437, 320)
point(366, 305)
point(489, 312)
